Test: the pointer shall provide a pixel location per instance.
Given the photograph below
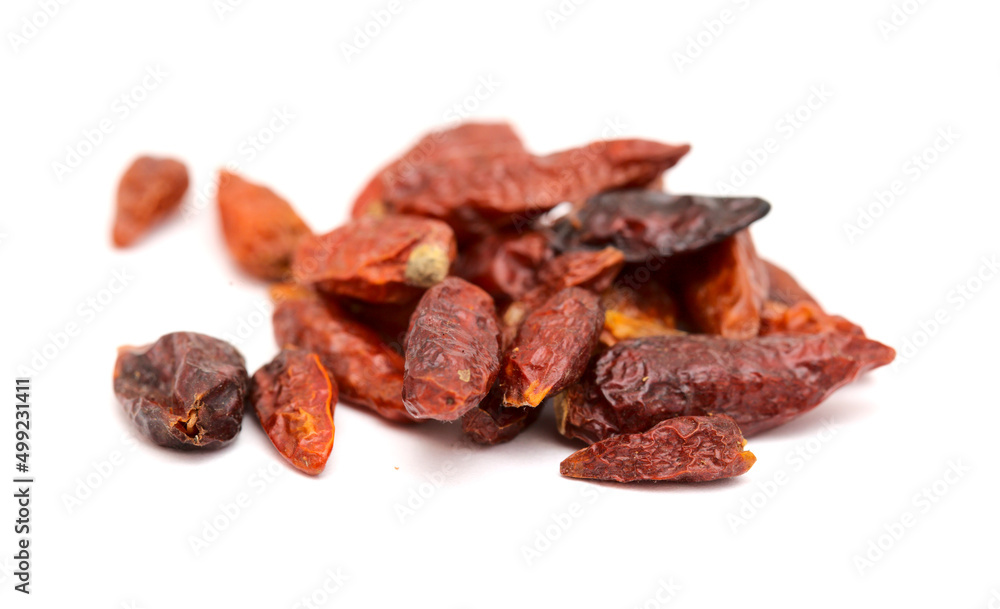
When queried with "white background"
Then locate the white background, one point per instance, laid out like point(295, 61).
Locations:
point(127, 541)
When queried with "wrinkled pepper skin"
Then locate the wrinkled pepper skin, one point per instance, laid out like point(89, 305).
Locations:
point(467, 140)
point(148, 192)
point(294, 396)
point(645, 224)
point(791, 309)
point(803, 318)
point(725, 287)
point(185, 391)
point(552, 347)
point(493, 423)
point(592, 270)
point(473, 194)
point(452, 351)
point(761, 383)
point(380, 260)
point(368, 372)
point(505, 264)
point(683, 449)
point(809, 318)
point(261, 229)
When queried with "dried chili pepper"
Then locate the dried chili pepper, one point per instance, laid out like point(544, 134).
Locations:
point(493, 423)
point(475, 193)
point(552, 347)
point(390, 259)
point(803, 318)
point(184, 391)
point(810, 318)
point(761, 382)
point(505, 264)
point(368, 372)
point(467, 140)
point(149, 190)
point(683, 449)
point(261, 229)
point(592, 270)
point(725, 286)
point(294, 397)
point(452, 351)
point(791, 309)
point(645, 224)
point(649, 309)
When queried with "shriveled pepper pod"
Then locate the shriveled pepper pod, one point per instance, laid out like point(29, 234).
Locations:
point(294, 397)
point(682, 449)
point(590, 270)
point(390, 259)
point(185, 391)
point(149, 191)
point(452, 351)
point(791, 309)
point(761, 382)
point(645, 224)
point(478, 194)
point(261, 229)
point(506, 263)
point(368, 371)
point(464, 141)
point(724, 287)
point(552, 347)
